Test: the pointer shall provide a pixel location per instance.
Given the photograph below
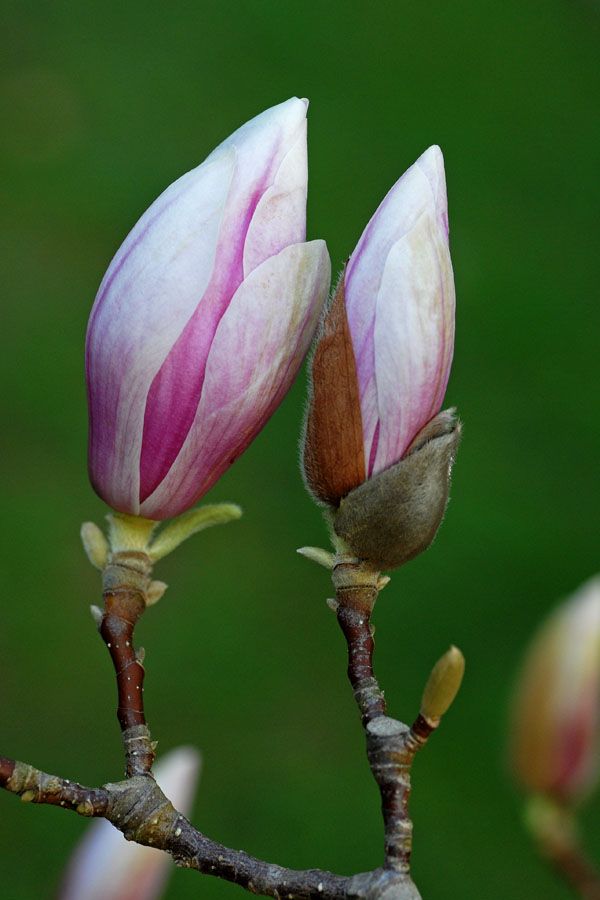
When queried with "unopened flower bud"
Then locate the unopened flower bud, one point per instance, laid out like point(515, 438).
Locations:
point(555, 734)
point(377, 449)
point(203, 319)
point(105, 866)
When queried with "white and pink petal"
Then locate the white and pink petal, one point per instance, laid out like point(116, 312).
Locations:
point(257, 351)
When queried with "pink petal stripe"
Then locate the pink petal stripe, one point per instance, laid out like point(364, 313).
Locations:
point(175, 392)
point(266, 332)
point(138, 316)
point(177, 387)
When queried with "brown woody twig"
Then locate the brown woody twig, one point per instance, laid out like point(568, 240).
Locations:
point(126, 580)
point(391, 745)
point(140, 810)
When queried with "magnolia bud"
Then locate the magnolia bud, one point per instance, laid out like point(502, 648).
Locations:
point(203, 319)
point(377, 450)
point(555, 720)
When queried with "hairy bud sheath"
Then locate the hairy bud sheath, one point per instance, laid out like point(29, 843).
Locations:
point(203, 319)
point(377, 450)
point(555, 728)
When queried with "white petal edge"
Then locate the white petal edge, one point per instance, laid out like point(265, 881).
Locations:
point(419, 189)
point(280, 215)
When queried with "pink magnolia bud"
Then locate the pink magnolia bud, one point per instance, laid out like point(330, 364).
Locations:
point(377, 449)
point(400, 299)
point(105, 866)
point(382, 362)
point(203, 319)
point(555, 723)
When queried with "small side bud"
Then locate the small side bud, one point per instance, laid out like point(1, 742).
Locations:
point(85, 809)
point(95, 544)
point(322, 557)
point(443, 685)
point(155, 592)
point(140, 655)
point(394, 516)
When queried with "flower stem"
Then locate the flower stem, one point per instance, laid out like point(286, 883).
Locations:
point(391, 745)
point(556, 835)
point(126, 580)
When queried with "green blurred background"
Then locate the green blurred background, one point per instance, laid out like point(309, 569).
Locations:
point(104, 104)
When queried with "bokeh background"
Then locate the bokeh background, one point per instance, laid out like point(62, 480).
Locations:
point(102, 105)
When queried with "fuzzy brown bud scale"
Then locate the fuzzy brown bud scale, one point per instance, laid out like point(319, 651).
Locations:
point(334, 460)
point(394, 516)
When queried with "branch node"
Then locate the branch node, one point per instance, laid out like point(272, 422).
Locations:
point(385, 727)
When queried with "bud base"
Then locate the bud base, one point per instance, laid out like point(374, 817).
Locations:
point(394, 516)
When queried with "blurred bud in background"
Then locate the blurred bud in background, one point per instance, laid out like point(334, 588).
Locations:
point(375, 447)
point(555, 717)
point(105, 866)
point(203, 319)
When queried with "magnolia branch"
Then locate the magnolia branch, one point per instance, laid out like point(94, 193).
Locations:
point(391, 745)
point(136, 805)
point(33, 786)
point(140, 810)
point(126, 582)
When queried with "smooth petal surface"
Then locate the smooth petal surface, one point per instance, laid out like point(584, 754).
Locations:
point(555, 726)
point(151, 289)
point(400, 303)
point(168, 287)
point(256, 353)
point(413, 340)
point(107, 867)
point(266, 168)
point(280, 215)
